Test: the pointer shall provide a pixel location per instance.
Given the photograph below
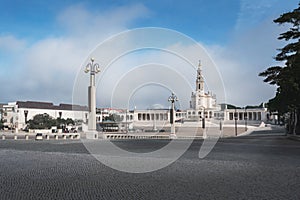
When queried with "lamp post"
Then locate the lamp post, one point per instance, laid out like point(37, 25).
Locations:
point(172, 99)
point(203, 122)
point(203, 119)
point(93, 68)
point(245, 118)
point(26, 115)
point(235, 121)
point(126, 121)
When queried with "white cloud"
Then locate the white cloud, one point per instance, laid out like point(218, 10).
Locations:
point(11, 44)
point(240, 62)
point(45, 70)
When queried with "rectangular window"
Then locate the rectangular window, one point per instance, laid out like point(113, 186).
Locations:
point(259, 116)
point(250, 115)
point(231, 116)
point(245, 115)
point(161, 116)
point(240, 116)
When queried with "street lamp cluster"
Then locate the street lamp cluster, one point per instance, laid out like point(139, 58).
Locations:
point(173, 98)
point(93, 68)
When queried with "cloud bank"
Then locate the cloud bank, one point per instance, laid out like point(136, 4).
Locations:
point(45, 70)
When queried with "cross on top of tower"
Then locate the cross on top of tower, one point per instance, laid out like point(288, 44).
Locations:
point(199, 65)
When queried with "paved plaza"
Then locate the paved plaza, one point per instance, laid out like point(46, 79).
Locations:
point(258, 166)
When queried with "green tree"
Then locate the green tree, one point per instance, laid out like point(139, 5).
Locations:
point(41, 121)
point(113, 118)
point(61, 123)
point(1, 124)
point(287, 77)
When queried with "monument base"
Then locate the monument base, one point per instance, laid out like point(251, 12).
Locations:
point(173, 136)
point(91, 135)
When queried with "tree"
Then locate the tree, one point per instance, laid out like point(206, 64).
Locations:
point(287, 77)
point(44, 121)
point(113, 118)
point(61, 123)
point(1, 124)
point(41, 121)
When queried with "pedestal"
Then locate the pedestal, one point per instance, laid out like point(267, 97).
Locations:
point(173, 136)
point(204, 134)
point(91, 135)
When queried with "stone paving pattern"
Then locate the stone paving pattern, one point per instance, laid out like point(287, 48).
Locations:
point(252, 167)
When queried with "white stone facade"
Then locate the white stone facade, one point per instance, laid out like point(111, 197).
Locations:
point(202, 104)
point(16, 114)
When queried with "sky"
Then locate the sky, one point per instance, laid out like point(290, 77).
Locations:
point(44, 45)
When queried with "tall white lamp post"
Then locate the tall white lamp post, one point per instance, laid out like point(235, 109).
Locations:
point(93, 68)
point(172, 99)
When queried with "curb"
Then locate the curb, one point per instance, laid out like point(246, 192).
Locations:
point(294, 137)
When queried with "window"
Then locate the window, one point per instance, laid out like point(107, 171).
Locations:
point(240, 116)
point(254, 116)
point(245, 115)
point(231, 116)
point(259, 116)
point(161, 116)
point(250, 116)
point(165, 116)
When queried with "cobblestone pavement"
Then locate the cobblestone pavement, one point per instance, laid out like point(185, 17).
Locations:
point(252, 167)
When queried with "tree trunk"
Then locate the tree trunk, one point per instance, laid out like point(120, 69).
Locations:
point(290, 123)
point(297, 122)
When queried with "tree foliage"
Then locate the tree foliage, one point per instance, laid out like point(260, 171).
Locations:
point(44, 121)
point(287, 77)
point(113, 118)
point(1, 124)
point(41, 121)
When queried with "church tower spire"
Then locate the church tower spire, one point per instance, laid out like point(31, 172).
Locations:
point(199, 80)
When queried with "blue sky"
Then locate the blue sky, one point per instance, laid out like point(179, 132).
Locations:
point(44, 43)
point(200, 19)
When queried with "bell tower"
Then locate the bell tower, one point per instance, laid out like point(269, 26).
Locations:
point(199, 80)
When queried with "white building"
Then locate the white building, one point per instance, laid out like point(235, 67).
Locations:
point(199, 99)
point(202, 104)
point(17, 114)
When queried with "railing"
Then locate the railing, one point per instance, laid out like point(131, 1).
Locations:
point(44, 136)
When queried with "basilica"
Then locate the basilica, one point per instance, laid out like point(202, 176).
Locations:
point(203, 103)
